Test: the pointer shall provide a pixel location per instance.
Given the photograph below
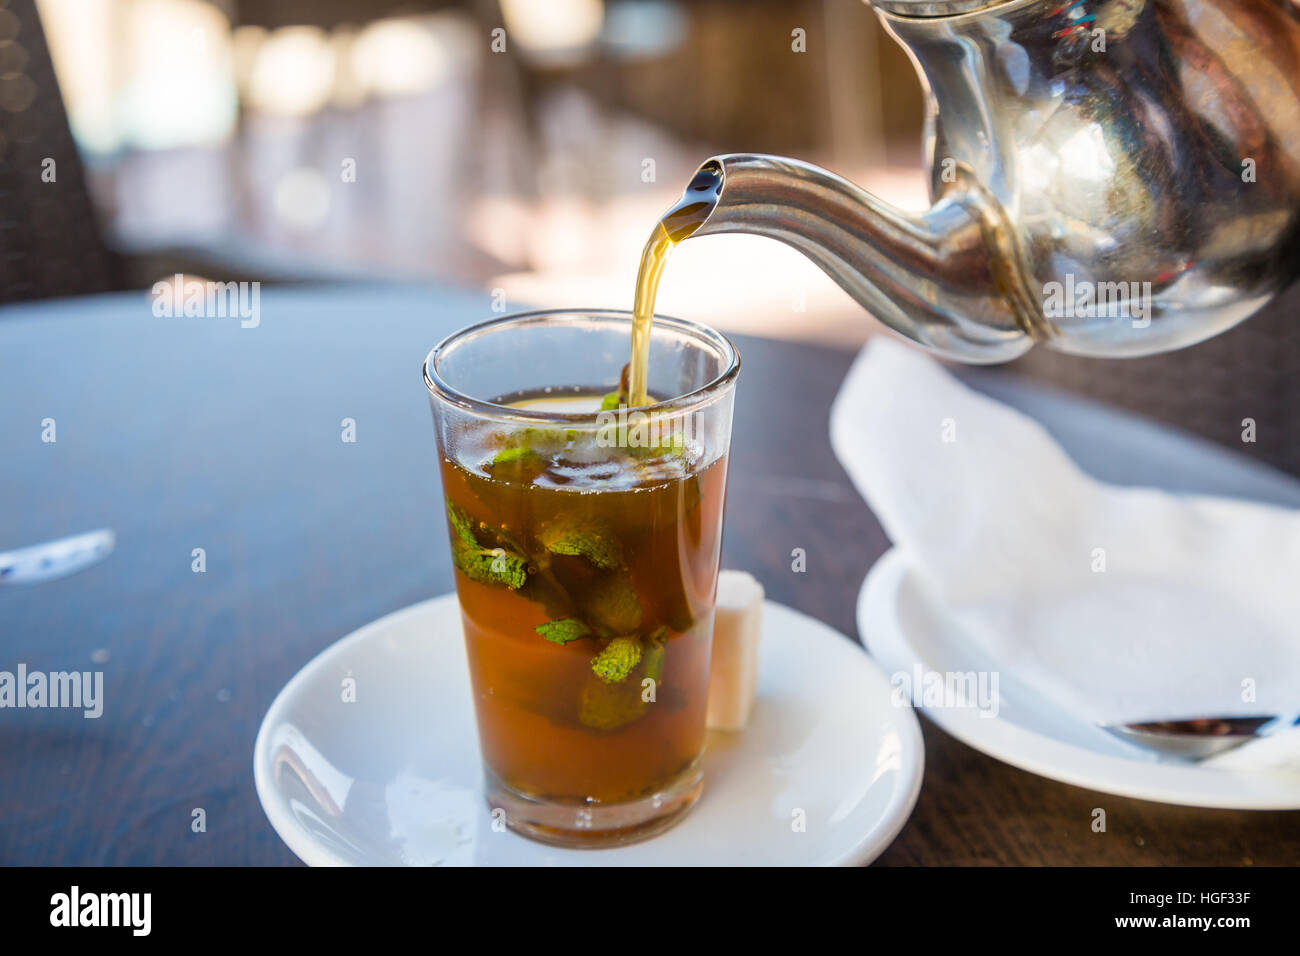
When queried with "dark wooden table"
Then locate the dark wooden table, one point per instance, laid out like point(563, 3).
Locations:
point(195, 433)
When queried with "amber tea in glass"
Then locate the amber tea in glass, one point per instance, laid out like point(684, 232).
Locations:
point(585, 537)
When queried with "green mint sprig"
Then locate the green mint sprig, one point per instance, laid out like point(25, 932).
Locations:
point(592, 599)
point(610, 603)
point(616, 661)
point(606, 603)
point(483, 564)
point(563, 630)
point(613, 701)
point(587, 538)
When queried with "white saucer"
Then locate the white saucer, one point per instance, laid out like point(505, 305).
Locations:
point(903, 628)
point(394, 777)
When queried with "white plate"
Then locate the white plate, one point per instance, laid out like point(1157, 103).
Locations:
point(394, 777)
point(903, 629)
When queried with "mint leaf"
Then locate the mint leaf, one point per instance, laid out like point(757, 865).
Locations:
point(564, 630)
point(461, 524)
point(545, 589)
point(648, 444)
point(519, 464)
point(545, 441)
point(585, 538)
point(507, 455)
point(652, 662)
point(612, 700)
point(617, 660)
point(484, 565)
point(611, 603)
point(604, 706)
point(674, 445)
point(490, 565)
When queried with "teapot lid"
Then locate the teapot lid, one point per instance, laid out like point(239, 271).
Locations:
point(932, 8)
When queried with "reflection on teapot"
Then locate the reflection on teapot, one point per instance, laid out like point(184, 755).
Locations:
point(1109, 177)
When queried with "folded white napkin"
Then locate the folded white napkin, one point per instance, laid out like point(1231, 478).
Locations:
point(1120, 603)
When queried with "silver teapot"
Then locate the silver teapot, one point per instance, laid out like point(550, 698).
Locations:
point(1108, 177)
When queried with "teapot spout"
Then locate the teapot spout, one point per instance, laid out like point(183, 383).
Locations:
point(946, 278)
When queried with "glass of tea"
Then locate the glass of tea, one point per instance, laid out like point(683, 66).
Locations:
point(585, 537)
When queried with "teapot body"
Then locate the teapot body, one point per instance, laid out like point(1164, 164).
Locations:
point(1144, 155)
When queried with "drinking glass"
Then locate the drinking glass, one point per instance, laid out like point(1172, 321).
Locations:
point(586, 544)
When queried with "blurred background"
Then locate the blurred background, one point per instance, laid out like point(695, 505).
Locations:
point(295, 140)
point(524, 147)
